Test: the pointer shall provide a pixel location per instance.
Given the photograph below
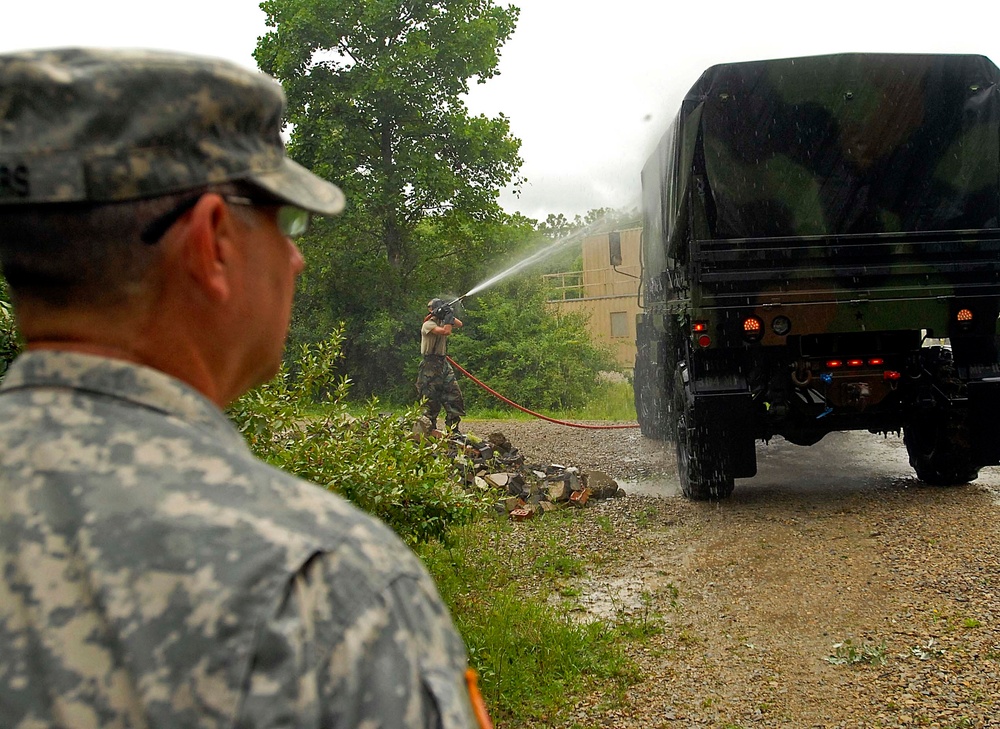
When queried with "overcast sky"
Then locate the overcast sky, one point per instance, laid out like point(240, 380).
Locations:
point(588, 86)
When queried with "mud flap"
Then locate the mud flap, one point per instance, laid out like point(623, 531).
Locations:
point(732, 414)
point(984, 405)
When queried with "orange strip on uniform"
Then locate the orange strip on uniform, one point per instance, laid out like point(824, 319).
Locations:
point(478, 705)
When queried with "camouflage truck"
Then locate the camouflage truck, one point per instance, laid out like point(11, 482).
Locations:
point(811, 226)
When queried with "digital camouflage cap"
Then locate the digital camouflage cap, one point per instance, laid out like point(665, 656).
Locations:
point(89, 125)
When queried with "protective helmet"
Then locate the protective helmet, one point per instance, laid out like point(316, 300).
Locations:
point(433, 304)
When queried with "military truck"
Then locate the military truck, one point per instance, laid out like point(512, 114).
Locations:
point(820, 253)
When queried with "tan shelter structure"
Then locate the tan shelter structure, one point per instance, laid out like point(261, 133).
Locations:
point(606, 289)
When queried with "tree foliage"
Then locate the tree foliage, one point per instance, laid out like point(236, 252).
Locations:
point(518, 346)
point(370, 459)
point(375, 94)
point(10, 343)
point(376, 104)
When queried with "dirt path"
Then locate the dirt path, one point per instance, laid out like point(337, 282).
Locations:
point(837, 544)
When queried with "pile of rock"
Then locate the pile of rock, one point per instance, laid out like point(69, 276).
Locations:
point(525, 491)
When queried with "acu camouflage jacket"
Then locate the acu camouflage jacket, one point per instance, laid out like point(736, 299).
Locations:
point(153, 573)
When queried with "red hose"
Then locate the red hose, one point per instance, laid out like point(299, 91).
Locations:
point(531, 412)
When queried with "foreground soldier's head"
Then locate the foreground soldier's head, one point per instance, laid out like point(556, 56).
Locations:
point(147, 209)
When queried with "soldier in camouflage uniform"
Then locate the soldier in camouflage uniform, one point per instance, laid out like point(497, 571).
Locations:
point(436, 381)
point(153, 573)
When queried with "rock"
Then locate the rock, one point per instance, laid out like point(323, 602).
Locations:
point(558, 491)
point(512, 503)
point(422, 428)
point(573, 478)
point(499, 441)
point(500, 480)
point(601, 485)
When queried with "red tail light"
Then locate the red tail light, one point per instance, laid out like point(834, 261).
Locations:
point(834, 363)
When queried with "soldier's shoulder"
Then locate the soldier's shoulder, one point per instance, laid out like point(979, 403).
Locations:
point(350, 532)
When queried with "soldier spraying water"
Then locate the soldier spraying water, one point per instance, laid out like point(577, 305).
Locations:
point(436, 380)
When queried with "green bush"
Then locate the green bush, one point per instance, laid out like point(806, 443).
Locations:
point(514, 343)
point(10, 344)
point(367, 457)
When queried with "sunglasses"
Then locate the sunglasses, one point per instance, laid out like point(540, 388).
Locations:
point(293, 221)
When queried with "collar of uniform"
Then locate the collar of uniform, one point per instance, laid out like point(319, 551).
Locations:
point(119, 379)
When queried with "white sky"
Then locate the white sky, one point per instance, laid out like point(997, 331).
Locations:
point(588, 86)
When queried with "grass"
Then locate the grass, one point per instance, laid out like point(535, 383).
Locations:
point(534, 661)
point(613, 401)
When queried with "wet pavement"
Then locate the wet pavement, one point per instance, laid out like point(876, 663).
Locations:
point(854, 461)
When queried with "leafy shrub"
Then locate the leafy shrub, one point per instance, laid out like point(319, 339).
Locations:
point(10, 344)
point(525, 351)
point(368, 458)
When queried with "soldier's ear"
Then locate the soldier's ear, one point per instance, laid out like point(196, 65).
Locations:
point(210, 246)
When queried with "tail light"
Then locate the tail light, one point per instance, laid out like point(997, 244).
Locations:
point(964, 319)
point(753, 328)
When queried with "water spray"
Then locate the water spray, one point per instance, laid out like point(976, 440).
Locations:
point(535, 257)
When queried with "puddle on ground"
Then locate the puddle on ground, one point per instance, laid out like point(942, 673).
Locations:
point(653, 486)
point(611, 599)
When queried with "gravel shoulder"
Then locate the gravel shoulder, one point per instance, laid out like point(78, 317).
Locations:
point(835, 544)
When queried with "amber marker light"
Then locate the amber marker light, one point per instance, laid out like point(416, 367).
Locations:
point(699, 326)
point(963, 316)
point(753, 328)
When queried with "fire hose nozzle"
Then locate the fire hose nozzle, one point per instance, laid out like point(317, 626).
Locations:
point(452, 303)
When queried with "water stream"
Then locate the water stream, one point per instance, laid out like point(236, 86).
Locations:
point(539, 255)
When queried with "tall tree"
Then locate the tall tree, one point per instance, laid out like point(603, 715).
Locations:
point(376, 103)
point(375, 91)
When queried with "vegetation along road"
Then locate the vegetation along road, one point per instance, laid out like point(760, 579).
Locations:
point(832, 590)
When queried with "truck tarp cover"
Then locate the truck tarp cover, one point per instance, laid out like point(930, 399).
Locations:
point(839, 144)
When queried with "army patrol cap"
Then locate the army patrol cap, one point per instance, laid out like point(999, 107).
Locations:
point(100, 125)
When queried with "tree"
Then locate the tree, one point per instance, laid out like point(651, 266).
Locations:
point(375, 90)
point(10, 343)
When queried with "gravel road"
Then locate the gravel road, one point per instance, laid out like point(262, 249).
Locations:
point(837, 544)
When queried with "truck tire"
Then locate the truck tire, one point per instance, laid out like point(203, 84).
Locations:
point(939, 444)
point(649, 382)
point(940, 451)
point(703, 463)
